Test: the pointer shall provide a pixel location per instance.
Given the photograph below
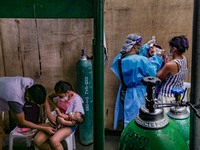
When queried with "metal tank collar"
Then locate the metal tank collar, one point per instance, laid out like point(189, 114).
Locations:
point(151, 120)
point(178, 113)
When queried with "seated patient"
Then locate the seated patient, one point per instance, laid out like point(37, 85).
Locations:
point(67, 115)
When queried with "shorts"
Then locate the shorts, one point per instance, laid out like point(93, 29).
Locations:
point(4, 105)
point(73, 128)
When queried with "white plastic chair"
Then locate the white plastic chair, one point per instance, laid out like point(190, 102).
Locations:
point(188, 86)
point(14, 134)
point(3, 119)
point(3, 115)
point(71, 142)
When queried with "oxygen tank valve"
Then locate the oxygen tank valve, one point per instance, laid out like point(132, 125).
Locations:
point(85, 56)
point(83, 52)
point(178, 112)
point(150, 117)
point(177, 93)
point(151, 83)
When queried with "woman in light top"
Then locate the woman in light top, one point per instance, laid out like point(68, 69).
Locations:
point(68, 113)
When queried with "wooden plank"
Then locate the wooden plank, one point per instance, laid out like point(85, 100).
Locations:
point(45, 49)
point(10, 46)
point(60, 43)
point(2, 73)
point(20, 47)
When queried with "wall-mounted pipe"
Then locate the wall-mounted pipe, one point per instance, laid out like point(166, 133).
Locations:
point(195, 79)
point(98, 75)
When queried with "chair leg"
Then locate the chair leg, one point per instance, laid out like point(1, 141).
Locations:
point(74, 141)
point(11, 139)
point(69, 142)
point(2, 132)
point(36, 148)
point(28, 142)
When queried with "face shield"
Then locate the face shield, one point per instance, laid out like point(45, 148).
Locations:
point(131, 40)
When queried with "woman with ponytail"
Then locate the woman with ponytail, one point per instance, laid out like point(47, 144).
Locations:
point(174, 72)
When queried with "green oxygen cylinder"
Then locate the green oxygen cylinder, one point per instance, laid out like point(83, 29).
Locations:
point(136, 137)
point(151, 129)
point(180, 116)
point(85, 90)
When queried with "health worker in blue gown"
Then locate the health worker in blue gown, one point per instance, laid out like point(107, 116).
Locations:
point(130, 68)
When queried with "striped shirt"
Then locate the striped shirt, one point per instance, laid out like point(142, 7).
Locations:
point(175, 80)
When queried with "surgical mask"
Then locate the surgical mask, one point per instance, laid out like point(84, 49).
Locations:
point(158, 52)
point(170, 53)
point(66, 98)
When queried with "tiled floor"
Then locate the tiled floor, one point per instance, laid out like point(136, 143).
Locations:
point(111, 143)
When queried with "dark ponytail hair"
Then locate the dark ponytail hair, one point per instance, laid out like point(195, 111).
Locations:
point(180, 42)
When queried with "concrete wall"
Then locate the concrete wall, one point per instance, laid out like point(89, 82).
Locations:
point(47, 50)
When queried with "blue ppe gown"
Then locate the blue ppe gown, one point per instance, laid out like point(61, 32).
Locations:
point(134, 69)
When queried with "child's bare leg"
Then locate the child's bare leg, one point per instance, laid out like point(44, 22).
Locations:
point(59, 136)
point(41, 141)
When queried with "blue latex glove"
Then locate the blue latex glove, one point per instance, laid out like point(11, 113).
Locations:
point(144, 50)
